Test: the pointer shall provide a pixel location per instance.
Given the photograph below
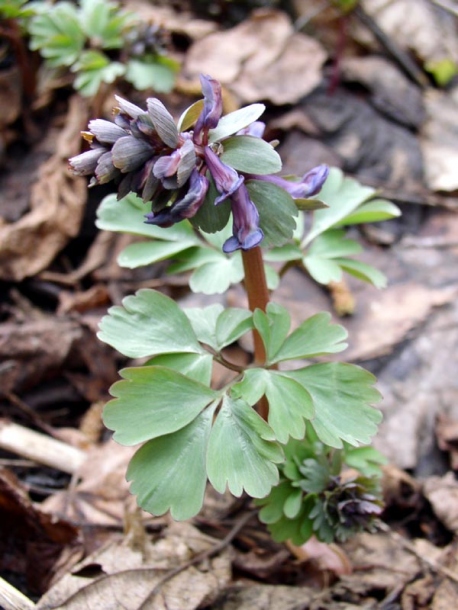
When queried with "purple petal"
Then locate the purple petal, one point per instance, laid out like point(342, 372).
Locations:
point(163, 122)
point(256, 129)
point(226, 179)
point(310, 184)
point(186, 207)
point(245, 223)
point(212, 110)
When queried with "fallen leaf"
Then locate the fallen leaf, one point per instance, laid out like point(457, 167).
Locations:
point(252, 58)
point(121, 576)
point(442, 493)
point(56, 207)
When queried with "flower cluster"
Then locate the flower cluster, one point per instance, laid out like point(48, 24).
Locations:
point(143, 152)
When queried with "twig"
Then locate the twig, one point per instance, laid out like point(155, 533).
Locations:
point(403, 59)
point(446, 6)
point(12, 599)
point(40, 448)
point(200, 557)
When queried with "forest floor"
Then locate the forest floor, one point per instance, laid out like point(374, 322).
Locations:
point(351, 92)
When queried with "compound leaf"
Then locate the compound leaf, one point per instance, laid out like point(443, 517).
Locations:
point(273, 326)
point(203, 321)
point(232, 323)
point(343, 395)
point(148, 324)
point(290, 404)
point(314, 337)
point(242, 452)
point(152, 401)
point(161, 478)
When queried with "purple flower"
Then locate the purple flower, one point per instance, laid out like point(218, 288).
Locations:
point(245, 223)
point(186, 207)
point(227, 180)
point(255, 129)
point(212, 110)
point(310, 184)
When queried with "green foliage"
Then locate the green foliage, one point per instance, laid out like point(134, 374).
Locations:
point(83, 38)
point(324, 250)
point(15, 9)
point(170, 405)
point(317, 494)
point(443, 70)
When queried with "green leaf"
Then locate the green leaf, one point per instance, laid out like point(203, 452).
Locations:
point(103, 22)
point(343, 395)
point(232, 323)
point(149, 252)
point(203, 321)
point(293, 504)
point(152, 72)
point(372, 211)
point(56, 32)
point(241, 452)
point(298, 530)
point(194, 366)
point(168, 473)
point(314, 337)
point(290, 404)
point(308, 205)
point(288, 252)
point(273, 326)
point(333, 244)
point(342, 195)
point(443, 70)
point(277, 211)
point(363, 271)
point(251, 155)
point(128, 216)
point(235, 121)
point(366, 460)
point(152, 401)
point(211, 218)
point(190, 116)
point(148, 324)
point(216, 277)
point(323, 270)
point(272, 506)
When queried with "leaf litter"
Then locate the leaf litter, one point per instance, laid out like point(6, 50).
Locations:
point(52, 371)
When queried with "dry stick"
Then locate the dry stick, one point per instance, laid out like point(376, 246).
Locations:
point(258, 298)
point(404, 60)
point(201, 556)
point(40, 448)
point(12, 599)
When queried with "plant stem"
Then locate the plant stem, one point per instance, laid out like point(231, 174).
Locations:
point(258, 298)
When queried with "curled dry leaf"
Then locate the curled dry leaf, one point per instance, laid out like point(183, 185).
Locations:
point(56, 208)
point(252, 58)
point(442, 493)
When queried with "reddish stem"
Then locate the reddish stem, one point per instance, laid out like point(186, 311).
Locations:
point(258, 298)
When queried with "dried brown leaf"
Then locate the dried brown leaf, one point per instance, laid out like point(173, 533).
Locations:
point(262, 58)
point(119, 576)
point(56, 208)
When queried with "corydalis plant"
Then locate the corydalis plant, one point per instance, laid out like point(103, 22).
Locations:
point(203, 170)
